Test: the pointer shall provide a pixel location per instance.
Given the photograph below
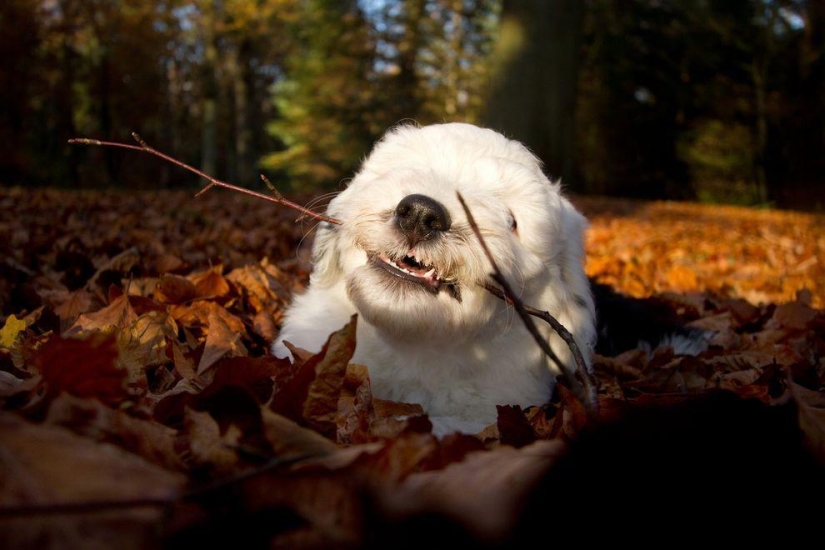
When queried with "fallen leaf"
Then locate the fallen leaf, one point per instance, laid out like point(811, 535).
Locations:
point(488, 509)
point(795, 315)
point(75, 304)
point(91, 418)
point(51, 468)
point(211, 284)
point(221, 340)
point(118, 314)
point(288, 439)
point(811, 418)
point(321, 406)
point(743, 312)
point(85, 368)
point(207, 445)
point(513, 427)
point(174, 289)
point(10, 331)
point(355, 406)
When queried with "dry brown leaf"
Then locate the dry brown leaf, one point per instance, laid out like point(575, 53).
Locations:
point(320, 409)
point(355, 409)
point(48, 466)
point(211, 284)
point(483, 493)
point(288, 439)
point(261, 290)
point(795, 315)
point(514, 428)
point(743, 312)
point(73, 305)
point(119, 314)
point(811, 418)
point(263, 324)
point(85, 368)
point(207, 445)
point(89, 417)
point(221, 340)
point(174, 289)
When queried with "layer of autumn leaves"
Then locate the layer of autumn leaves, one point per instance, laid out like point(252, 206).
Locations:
point(139, 402)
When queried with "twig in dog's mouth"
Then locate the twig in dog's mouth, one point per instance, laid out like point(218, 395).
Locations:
point(584, 391)
point(410, 269)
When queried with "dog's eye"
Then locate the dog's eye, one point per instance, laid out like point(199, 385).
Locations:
point(511, 222)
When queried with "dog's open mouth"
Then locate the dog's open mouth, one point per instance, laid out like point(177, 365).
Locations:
point(410, 269)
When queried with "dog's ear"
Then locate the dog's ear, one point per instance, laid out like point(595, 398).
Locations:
point(326, 261)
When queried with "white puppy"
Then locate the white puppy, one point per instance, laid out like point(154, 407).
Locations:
point(407, 262)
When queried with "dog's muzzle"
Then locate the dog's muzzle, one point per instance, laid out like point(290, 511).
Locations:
point(418, 218)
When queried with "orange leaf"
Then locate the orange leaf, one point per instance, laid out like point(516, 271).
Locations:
point(174, 289)
point(211, 284)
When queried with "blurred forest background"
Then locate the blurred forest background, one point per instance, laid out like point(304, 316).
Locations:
point(711, 100)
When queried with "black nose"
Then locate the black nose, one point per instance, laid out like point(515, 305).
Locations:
point(420, 217)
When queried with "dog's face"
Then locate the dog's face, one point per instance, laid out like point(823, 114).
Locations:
point(410, 262)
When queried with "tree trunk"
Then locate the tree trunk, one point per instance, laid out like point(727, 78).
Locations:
point(104, 75)
point(535, 78)
point(808, 167)
point(243, 123)
point(209, 117)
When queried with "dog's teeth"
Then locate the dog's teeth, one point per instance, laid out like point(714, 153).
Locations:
point(430, 273)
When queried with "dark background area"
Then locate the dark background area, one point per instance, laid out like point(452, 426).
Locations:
point(709, 100)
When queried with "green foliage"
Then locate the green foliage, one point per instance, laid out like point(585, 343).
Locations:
point(356, 71)
point(327, 105)
point(721, 158)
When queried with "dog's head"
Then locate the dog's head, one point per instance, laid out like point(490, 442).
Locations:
point(407, 254)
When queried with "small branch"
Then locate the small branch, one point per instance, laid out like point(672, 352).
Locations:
point(560, 329)
point(585, 393)
point(213, 182)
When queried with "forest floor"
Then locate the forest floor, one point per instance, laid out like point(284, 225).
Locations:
point(139, 403)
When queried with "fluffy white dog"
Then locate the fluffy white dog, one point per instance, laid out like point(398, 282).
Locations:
point(407, 262)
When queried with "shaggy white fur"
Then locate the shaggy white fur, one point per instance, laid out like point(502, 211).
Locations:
point(406, 261)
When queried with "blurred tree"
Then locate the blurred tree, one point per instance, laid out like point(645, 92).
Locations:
point(358, 71)
point(237, 48)
point(802, 128)
point(634, 99)
point(535, 77)
point(327, 103)
point(716, 99)
point(699, 99)
point(433, 57)
point(227, 55)
point(86, 69)
point(21, 24)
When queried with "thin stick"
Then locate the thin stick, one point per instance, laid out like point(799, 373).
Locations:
point(560, 329)
point(213, 182)
point(585, 393)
